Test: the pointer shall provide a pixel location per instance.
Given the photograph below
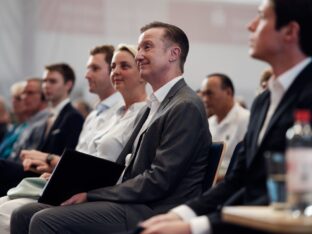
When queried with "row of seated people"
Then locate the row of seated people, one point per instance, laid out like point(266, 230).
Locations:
point(108, 128)
point(167, 150)
point(47, 129)
point(163, 119)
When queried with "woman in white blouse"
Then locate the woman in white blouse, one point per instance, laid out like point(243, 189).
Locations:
point(109, 142)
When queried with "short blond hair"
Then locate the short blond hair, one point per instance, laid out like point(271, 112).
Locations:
point(129, 48)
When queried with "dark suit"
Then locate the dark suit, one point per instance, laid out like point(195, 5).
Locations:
point(64, 134)
point(167, 169)
point(3, 131)
point(247, 183)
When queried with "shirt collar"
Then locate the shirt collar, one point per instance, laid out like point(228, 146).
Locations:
point(58, 108)
point(231, 114)
point(289, 76)
point(121, 110)
point(112, 99)
point(162, 92)
point(228, 118)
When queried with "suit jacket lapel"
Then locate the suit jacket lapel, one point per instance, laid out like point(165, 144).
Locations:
point(60, 116)
point(172, 92)
point(128, 147)
point(258, 125)
point(289, 97)
point(287, 100)
point(46, 138)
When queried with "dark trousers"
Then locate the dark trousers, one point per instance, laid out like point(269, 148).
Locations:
point(11, 173)
point(90, 217)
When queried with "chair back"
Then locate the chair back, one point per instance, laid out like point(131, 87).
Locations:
point(215, 154)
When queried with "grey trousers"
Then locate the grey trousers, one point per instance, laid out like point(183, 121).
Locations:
point(90, 217)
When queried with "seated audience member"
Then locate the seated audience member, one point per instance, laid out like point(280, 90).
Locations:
point(83, 107)
point(208, 111)
point(169, 147)
point(98, 77)
point(20, 115)
point(109, 142)
point(60, 131)
point(281, 36)
point(4, 119)
point(230, 120)
point(19, 109)
point(35, 107)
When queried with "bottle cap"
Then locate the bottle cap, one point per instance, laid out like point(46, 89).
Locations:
point(302, 115)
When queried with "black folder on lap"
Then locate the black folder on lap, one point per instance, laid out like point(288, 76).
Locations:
point(78, 172)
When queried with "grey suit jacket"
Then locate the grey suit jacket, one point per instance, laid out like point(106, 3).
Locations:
point(170, 162)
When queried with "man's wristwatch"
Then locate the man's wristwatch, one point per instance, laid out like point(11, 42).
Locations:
point(49, 158)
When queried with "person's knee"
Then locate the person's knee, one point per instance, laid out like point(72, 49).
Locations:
point(38, 220)
point(21, 216)
point(18, 223)
point(46, 221)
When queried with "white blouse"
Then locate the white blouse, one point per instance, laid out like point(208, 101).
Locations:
point(109, 142)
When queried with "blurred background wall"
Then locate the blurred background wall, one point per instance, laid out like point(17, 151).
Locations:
point(34, 33)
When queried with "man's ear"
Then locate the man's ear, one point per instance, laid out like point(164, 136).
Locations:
point(174, 53)
point(229, 92)
point(69, 84)
point(291, 32)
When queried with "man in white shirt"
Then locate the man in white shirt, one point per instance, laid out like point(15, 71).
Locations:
point(168, 154)
point(281, 35)
point(98, 76)
point(230, 120)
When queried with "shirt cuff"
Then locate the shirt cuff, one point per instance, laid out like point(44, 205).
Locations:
point(185, 212)
point(200, 225)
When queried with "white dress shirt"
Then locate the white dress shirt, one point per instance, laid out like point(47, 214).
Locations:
point(201, 224)
point(94, 121)
point(231, 130)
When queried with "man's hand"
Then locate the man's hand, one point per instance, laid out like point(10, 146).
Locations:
point(46, 176)
point(168, 227)
point(33, 154)
point(166, 223)
point(76, 199)
point(161, 218)
point(36, 166)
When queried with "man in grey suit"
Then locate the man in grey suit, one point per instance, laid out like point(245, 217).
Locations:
point(165, 156)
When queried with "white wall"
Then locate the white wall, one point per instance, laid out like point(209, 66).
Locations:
point(38, 32)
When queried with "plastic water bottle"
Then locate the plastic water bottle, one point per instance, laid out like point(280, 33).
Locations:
point(299, 165)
